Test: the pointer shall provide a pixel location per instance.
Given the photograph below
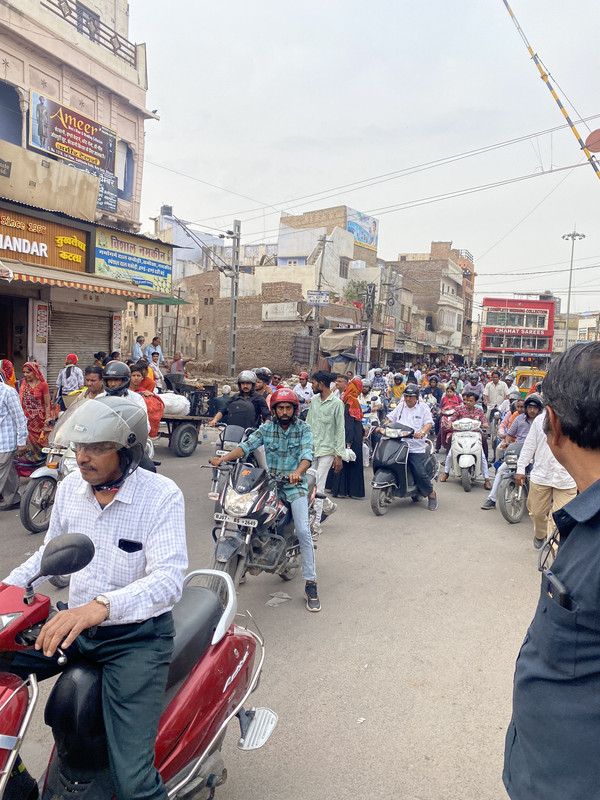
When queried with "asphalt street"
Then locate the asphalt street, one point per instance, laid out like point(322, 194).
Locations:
point(401, 686)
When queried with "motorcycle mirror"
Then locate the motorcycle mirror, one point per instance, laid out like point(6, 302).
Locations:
point(67, 553)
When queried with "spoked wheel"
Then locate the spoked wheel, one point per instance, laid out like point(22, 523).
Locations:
point(381, 500)
point(512, 506)
point(36, 504)
point(465, 478)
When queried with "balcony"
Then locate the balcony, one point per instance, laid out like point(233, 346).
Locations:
point(93, 29)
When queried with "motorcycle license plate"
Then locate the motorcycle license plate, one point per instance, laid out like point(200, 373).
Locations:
point(56, 451)
point(221, 453)
point(247, 523)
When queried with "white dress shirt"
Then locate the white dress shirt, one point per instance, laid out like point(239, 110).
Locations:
point(148, 512)
point(495, 393)
point(13, 422)
point(417, 418)
point(546, 469)
point(303, 393)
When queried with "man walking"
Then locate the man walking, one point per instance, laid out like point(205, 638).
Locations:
point(553, 740)
point(13, 436)
point(326, 419)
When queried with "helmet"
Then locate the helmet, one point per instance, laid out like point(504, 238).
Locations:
point(246, 376)
point(116, 370)
point(398, 376)
point(366, 383)
point(434, 378)
point(412, 390)
point(455, 375)
point(262, 374)
point(514, 394)
point(264, 369)
point(534, 400)
point(378, 371)
point(303, 375)
point(284, 396)
point(474, 376)
point(107, 419)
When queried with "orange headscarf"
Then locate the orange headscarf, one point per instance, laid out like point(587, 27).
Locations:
point(8, 371)
point(350, 398)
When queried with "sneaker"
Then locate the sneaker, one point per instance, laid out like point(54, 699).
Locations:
point(312, 598)
point(488, 504)
point(432, 503)
point(538, 543)
point(21, 786)
point(332, 510)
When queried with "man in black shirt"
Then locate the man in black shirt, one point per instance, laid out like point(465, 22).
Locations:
point(553, 740)
point(247, 408)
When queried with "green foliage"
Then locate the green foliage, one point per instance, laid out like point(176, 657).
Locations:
point(355, 291)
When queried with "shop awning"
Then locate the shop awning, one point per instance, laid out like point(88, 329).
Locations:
point(161, 300)
point(74, 280)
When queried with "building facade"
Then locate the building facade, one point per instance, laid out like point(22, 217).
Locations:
point(517, 331)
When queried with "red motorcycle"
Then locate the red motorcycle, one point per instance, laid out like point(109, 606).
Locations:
point(214, 668)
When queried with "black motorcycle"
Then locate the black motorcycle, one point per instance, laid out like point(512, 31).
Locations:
point(392, 477)
point(230, 437)
point(256, 532)
point(512, 499)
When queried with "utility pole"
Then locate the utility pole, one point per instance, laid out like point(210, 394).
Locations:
point(235, 287)
point(369, 307)
point(176, 322)
point(572, 236)
point(314, 344)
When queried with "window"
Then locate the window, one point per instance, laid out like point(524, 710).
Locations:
point(211, 300)
point(203, 347)
point(88, 23)
point(146, 310)
point(206, 301)
point(496, 318)
point(428, 323)
point(344, 267)
point(167, 309)
point(10, 115)
point(459, 323)
point(124, 170)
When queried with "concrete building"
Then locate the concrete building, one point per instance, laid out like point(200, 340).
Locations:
point(588, 327)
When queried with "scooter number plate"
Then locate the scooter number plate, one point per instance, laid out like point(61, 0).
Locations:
point(56, 451)
point(247, 523)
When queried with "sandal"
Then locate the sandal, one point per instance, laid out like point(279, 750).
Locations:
point(443, 477)
point(487, 485)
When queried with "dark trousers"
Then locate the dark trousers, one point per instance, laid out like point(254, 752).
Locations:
point(416, 464)
point(135, 662)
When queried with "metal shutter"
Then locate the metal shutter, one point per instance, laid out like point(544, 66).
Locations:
point(83, 334)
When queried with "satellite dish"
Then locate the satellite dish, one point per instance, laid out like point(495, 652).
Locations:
point(593, 141)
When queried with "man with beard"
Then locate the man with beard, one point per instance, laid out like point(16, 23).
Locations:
point(288, 443)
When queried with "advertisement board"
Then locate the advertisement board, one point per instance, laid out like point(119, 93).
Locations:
point(36, 241)
point(64, 132)
point(314, 298)
point(365, 229)
point(145, 262)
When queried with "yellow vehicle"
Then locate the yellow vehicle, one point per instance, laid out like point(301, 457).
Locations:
point(526, 379)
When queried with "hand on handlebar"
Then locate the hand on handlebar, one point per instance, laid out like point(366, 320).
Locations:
point(63, 628)
point(294, 477)
point(217, 461)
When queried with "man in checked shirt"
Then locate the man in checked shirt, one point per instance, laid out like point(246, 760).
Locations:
point(119, 613)
point(288, 447)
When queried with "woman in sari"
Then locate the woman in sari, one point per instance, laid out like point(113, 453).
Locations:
point(8, 371)
point(35, 401)
point(350, 481)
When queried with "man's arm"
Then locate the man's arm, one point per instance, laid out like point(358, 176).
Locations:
point(241, 451)
point(530, 445)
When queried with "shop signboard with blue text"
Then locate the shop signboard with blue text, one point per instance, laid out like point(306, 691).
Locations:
point(146, 263)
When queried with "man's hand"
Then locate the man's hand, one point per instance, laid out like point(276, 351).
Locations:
point(295, 477)
point(21, 449)
point(217, 461)
point(337, 464)
point(520, 479)
point(212, 423)
point(419, 435)
point(503, 445)
point(65, 627)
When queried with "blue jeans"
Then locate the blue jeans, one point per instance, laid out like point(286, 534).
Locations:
point(307, 550)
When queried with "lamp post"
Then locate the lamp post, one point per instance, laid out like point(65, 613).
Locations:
point(235, 235)
point(572, 236)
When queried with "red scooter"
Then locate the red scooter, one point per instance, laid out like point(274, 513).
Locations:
point(214, 668)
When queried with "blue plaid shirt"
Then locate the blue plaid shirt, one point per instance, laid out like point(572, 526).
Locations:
point(284, 451)
point(13, 424)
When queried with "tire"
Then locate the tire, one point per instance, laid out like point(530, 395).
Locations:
point(230, 567)
point(381, 500)
point(511, 509)
point(60, 581)
point(290, 572)
point(36, 504)
point(465, 478)
point(184, 440)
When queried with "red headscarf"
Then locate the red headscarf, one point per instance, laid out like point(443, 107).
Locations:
point(350, 398)
point(8, 371)
point(71, 359)
point(35, 368)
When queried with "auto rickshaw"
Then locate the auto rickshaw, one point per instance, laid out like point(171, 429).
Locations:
point(526, 379)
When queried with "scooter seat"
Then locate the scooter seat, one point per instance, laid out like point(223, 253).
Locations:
point(196, 617)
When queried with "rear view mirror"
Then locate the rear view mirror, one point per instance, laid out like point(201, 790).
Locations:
point(67, 553)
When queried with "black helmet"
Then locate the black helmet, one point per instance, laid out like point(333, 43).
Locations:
point(263, 374)
point(534, 400)
point(434, 378)
point(412, 390)
point(116, 370)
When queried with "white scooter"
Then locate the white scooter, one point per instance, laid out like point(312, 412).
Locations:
point(466, 451)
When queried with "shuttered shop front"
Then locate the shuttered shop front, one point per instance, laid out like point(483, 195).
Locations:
point(83, 334)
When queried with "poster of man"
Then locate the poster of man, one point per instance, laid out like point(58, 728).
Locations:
point(41, 119)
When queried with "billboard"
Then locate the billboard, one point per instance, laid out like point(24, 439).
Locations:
point(145, 262)
point(37, 241)
point(364, 229)
point(64, 132)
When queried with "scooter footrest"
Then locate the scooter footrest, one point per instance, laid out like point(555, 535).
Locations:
point(261, 725)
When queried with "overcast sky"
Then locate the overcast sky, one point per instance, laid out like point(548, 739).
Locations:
point(276, 100)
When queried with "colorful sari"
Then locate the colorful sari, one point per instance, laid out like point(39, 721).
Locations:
point(34, 408)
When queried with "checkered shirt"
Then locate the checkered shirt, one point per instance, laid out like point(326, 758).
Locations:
point(284, 451)
point(13, 423)
point(148, 509)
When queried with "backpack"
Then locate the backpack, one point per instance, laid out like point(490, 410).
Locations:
point(241, 411)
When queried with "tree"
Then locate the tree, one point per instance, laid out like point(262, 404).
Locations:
point(355, 291)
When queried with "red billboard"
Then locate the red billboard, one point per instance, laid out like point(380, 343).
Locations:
point(517, 327)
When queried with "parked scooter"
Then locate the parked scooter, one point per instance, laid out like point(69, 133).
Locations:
point(257, 529)
point(392, 477)
point(466, 451)
point(38, 497)
point(512, 499)
point(214, 667)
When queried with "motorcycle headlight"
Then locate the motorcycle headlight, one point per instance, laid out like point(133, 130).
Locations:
point(6, 619)
point(238, 505)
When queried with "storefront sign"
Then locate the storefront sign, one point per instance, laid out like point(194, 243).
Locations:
point(117, 322)
point(143, 262)
point(519, 331)
point(64, 132)
point(36, 241)
point(41, 323)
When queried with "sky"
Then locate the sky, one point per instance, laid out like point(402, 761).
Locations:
point(263, 104)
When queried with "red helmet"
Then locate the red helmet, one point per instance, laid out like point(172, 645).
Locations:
point(303, 375)
point(285, 396)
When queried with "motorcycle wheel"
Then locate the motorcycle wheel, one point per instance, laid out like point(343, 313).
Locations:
point(465, 478)
point(36, 504)
point(511, 508)
point(381, 500)
point(290, 571)
point(60, 581)
point(230, 567)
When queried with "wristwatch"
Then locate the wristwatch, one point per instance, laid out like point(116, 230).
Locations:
point(103, 599)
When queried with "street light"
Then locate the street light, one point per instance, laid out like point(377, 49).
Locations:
point(572, 236)
point(234, 273)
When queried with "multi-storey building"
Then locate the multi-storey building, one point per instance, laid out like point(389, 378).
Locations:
point(517, 331)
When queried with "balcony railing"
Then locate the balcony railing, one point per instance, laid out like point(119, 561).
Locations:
point(93, 29)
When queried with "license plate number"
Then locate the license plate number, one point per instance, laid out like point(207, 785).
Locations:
point(221, 452)
point(55, 451)
point(247, 523)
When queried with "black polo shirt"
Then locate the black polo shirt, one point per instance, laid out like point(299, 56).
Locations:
point(553, 741)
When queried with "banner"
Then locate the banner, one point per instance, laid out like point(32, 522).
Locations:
point(64, 132)
point(144, 262)
point(364, 229)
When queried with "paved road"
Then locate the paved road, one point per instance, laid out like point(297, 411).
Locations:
point(401, 686)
